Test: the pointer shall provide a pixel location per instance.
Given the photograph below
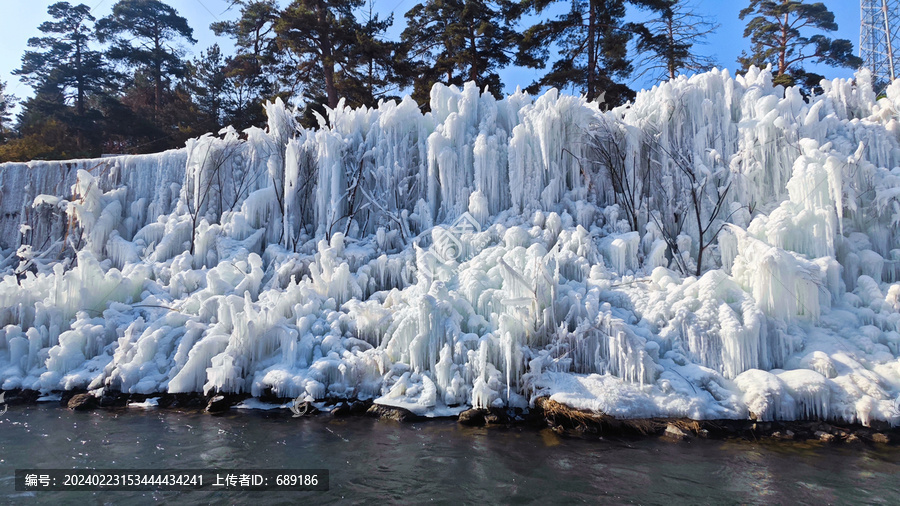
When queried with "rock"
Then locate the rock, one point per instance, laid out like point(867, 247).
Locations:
point(392, 413)
point(673, 432)
point(186, 400)
point(112, 400)
point(360, 407)
point(786, 435)
point(166, 401)
point(472, 417)
point(218, 404)
point(496, 416)
point(535, 418)
point(83, 402)
point(852, 438)
point(268, 395)
point(824, 436)
point(341, 410)
point(20, 397)
point(881, 438)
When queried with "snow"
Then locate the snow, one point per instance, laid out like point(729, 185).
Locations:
point(253, 403)
point(482, 254)
point(150, 403)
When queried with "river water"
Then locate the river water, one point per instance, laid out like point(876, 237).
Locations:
point(433, 462)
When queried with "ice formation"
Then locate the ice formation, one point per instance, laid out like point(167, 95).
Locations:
point(719, 248)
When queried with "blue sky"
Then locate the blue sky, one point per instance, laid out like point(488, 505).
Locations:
point(23, 18)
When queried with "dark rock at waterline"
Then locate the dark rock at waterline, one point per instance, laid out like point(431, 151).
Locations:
point(341, 410)
point(66, 395)
point(83, 402)
point(472, 417)
point(218, 404)
point(360, 407)
point(113, 400)
point(20, 397)
point(392, 413)
point(496, 416)
point(269, 396)
point(165, 401)
point(192, 401)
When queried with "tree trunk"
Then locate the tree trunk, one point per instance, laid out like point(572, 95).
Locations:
point(371, 81)
point(782, 51)
point(672, 64)
point(157, 73)
point(79, 82)
point(327, 55)
point(473, 69)
point(591, 50)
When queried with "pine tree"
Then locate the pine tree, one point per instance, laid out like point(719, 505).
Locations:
point(454, 41)
point(144, 34)
point(372, 71)
point(66, 75)
point(209, 83)
point(331, 46)
point(257, 72)
point(592, 38)
point(66, 62)
point(320, 34)
point(775, 32)
point(668, 46)
point(6, 104)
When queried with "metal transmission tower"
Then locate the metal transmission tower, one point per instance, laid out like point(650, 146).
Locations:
point(879, 39)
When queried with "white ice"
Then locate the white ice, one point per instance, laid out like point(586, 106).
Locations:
point(482, 254)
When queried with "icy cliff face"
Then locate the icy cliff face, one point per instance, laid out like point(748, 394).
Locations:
point(720, 248)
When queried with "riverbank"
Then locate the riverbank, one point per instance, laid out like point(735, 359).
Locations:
point(546, 413)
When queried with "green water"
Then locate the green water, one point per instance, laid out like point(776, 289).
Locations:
point(435, 462)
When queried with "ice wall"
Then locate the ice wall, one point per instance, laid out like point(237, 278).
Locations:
point(483, 253)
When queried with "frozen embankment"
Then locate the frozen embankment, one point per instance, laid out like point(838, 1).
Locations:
point(485, 253)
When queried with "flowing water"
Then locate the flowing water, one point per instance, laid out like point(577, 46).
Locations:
point(437, 461)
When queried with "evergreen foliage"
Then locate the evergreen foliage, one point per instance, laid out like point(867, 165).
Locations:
point(779, 34)
point(669, 50)
point(454, 41)
point(592, 38)
point(143, 35)
point(125, 83)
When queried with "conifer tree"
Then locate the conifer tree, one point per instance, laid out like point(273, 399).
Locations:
point(258, 71)
point(6, 104)
point(66, 75)
point(64, 60)
point(668, 48)
point(592, 38)
point(373, 70)
point(779, 33)
point(321, 35)
point(144, 35)
point(454, 41)
point(209, 83)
